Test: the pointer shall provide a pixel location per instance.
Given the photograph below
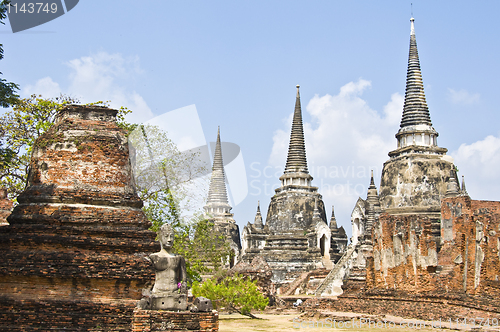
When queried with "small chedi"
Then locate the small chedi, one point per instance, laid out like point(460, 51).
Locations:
point(170, 290)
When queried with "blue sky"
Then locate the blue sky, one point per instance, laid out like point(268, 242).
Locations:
point(239, 62)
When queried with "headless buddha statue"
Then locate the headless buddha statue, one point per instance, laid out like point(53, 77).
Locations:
point(170, 289)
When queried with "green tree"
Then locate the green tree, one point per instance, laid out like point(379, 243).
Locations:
point(235, 293)
point(164, 179)
point(205, 251)
point(19, 128)
point(164, 176)
point(8, 95)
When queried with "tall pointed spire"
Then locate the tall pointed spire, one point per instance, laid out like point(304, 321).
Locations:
point(372, 195)
point(316, 214)
point(373, 208)
point(217, 202)
point(415, 110)
point(464, 190)
point(333, 220)
point(296, 173)
point(296, 160)
point(372, 182)
point(416, 127)
point(258, 218)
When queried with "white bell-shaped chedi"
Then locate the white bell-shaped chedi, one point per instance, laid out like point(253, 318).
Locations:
point(217, 209)
point(415, 177)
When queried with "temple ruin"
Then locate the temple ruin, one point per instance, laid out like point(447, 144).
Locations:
point(72, 254)
point(422, 248)
point(74, 249)
point(296, 237)
point(217, 210)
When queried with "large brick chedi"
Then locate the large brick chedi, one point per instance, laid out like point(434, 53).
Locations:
point(72, 255)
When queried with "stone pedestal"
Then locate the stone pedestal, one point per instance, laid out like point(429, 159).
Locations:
point(158, 320)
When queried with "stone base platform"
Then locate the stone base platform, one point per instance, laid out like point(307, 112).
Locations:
point(429, 307)
point(159, 320)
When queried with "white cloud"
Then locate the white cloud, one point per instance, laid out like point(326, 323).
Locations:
point(394, 109)
point(344, 141)
point(480, 163)
point(462, 97)
point(44, 86)
point(280, 145)
point(99, 77)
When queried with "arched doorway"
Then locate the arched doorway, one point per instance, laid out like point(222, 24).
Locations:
point(322, 244)
point(355, 231)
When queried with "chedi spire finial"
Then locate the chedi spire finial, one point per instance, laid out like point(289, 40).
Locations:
point(296, 160)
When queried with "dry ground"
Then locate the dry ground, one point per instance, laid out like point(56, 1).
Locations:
point(311, 322)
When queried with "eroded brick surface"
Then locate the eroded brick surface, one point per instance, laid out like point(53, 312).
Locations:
point(158, 320)
point(73, 254)
point(401, 304)
point(414, 270)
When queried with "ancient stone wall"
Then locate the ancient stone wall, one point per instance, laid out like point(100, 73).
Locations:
point(73, 255)
point(465, 260)
point(471, 244)
point(422, 307)
point(158, 320)
point(404, 254)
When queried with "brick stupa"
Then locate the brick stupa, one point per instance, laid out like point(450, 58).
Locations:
point(72, 256)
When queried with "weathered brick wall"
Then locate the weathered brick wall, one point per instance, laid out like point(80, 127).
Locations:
point(64, 315)
point(401, 304)
point(403, 254)
point(73, 254)
point(158, 320)
point(471, 243)
point(465, 260)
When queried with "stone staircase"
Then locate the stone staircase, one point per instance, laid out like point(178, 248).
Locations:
point(355, 281)
point(337, 274)
point(327, 263)
point(297, 282)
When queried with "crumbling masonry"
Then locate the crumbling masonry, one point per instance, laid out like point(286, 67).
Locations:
point(422, 248)
point(296, 237)
point(72, 256)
